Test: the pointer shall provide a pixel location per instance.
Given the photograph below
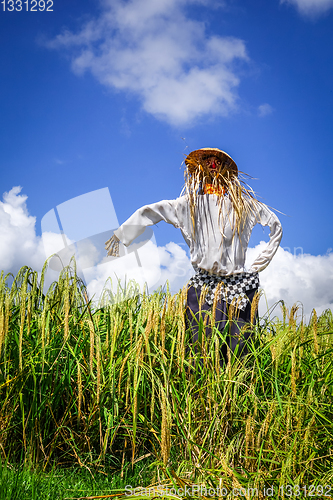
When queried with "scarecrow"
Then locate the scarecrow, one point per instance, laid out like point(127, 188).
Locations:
point(216, 213)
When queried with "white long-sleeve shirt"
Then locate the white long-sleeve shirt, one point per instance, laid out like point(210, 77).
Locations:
point(210, 250)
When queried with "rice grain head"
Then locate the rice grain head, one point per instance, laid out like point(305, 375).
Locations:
point(23, 295)
point(79, 385)
point(315, 333)
point(293, 371)
point(162, 328)
point(254, 305)
point(98, 367)
point(165, 428)
point(66, 307)
point(92, 343)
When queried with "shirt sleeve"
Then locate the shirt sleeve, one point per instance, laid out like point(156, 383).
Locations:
point(147, 216)
point(267, 218)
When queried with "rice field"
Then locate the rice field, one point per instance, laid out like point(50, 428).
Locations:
point(112, 387)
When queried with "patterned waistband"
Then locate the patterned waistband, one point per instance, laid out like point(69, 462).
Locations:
point(233, 288)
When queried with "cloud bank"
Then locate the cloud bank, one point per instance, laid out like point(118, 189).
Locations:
point(293, 278)
point(156, 52)
point(302, 278)
point(311, 8)
point(19, 245)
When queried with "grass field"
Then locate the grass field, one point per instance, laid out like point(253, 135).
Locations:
point(23, 483)
point(111, 390)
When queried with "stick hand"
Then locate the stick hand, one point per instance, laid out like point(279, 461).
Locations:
point(112, 246)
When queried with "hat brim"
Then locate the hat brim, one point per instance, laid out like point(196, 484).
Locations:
point(195, 157)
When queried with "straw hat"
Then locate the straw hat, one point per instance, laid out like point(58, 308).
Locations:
point(195, 157)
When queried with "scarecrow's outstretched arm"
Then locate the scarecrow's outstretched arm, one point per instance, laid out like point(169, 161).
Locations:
point(145, 216)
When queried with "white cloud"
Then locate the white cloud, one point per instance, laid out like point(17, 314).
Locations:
point(265, 109)
point(311, 8)
point(293, 278)
point(152, 50)
point(19, 244)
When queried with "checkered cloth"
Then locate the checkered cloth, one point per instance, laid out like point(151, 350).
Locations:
point(234, 287)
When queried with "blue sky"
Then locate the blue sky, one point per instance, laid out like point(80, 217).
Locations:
point(113, 93)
